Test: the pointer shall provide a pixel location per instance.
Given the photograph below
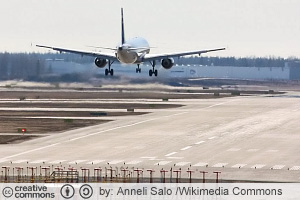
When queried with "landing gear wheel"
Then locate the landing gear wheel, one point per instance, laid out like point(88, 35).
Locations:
point(138, 70)
point(111, 72)
point(150, 72)
point(106, 72)
point(155, 72)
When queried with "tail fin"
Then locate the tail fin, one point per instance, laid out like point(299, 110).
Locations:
point(123, 34)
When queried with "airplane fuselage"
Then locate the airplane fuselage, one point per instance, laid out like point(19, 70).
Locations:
point(132, 51)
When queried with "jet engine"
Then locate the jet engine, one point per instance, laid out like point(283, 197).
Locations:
point(100, 62)
point(167, 63)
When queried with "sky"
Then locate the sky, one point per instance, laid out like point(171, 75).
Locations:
point(245, 27)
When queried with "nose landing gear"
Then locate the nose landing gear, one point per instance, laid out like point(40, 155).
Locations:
point(138, 69)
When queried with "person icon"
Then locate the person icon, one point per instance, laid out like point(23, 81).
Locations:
point(67, 191)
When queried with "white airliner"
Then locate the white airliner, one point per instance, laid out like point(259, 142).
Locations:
point(132, 51)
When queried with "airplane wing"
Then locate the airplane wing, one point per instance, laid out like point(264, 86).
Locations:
point(109, 56)
point(151, 57)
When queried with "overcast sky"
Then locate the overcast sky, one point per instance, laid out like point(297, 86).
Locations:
point(246, 27)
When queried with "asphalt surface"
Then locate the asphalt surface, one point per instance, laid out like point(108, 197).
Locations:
point(252, 138)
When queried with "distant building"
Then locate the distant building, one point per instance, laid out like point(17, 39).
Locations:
point(294, 67)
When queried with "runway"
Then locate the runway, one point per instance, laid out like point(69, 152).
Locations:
point(245, 137)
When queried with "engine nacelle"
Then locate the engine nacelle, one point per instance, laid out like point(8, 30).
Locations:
point(167, 63)
point(100, 62)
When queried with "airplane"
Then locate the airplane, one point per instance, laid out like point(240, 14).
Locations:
point(133, 51)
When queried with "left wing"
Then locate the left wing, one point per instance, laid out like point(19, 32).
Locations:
point(151, 57)
point(109, 56)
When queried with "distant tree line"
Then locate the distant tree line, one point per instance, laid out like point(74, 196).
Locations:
point(30, 66)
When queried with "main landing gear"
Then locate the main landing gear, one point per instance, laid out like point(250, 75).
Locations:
point(153, 71)
point(138, 69)
point(109, 71)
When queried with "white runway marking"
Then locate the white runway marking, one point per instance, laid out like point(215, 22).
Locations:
point(258, 166)
point(200, 164)
point(220, 165)
point(57, 161)
point(295, 168)
point(113, 162)
point(211, 138)
point(253, 150)
point(233, 149)
point(95, 162)
point(162, 163)
point(1, 161)
point(29, 151)
point(170, 154)
point(76, 161)
point(182, 163)
point(239, 166)
point(37, 161)
point(19, 161)
point(147, 157)
point(177, 158)
point(200, 142)
point(185, 148)
point(278, 166)
point(134, 162)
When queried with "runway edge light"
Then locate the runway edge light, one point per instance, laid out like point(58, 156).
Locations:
point(22, 130)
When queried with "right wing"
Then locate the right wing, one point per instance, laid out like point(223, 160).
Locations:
point(150, 57)
point(109, 56)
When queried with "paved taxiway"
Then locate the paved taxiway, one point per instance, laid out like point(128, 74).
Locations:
point(244, 137)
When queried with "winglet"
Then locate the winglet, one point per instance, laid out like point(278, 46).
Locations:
point(123, 34)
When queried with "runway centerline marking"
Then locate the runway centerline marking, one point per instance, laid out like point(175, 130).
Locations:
point(170, 154)
point(211, 138)
point(186, 148)
point(200, 142)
